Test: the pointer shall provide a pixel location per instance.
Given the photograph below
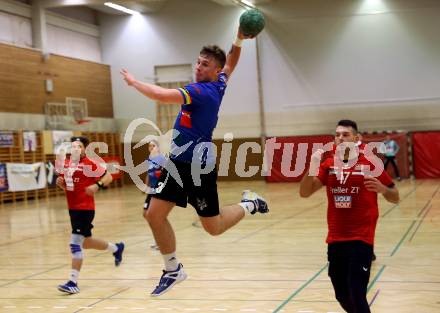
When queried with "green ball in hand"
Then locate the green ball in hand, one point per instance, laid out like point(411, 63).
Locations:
point(252, 22)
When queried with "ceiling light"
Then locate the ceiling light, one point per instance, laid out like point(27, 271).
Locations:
point(248, 3)
point(121, 8)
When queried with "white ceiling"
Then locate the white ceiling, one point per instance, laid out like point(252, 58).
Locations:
point(143, 6)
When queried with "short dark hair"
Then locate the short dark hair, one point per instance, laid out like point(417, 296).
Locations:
point(348, 123)
point(216, 53)
point(81, 139)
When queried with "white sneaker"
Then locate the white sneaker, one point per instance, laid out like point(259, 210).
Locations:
point(259, 203)
point(168, 280)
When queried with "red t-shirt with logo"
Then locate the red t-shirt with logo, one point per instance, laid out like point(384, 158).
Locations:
point(352, 210)
point(77, 180)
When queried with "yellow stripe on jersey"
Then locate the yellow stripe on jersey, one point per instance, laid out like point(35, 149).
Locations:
point(186, 96)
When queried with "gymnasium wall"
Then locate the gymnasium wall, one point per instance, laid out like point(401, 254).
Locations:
point(377, 62)
point(373, 61)
point(22, 82)
point(229, 172)
point(83, 14)
point(66, 35)
point(74, 71)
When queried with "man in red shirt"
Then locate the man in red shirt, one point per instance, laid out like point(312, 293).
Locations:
point(352, 213)
point(81, 178)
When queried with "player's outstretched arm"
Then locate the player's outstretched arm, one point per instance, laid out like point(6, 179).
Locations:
point(310, 183)
point(234, 54)
point(106, 179)
point(157, 93)
point(391, 194)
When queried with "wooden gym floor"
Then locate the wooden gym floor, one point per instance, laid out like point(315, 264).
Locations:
point(273, 263)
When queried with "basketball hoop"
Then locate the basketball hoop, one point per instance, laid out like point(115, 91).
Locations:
point(77, 109)
point(56, 115)
point(64, 115)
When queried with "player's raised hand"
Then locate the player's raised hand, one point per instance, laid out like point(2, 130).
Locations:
point(241, 36)
point(317, 156)
point(315, 161)
point(92, 189)
point(252, 22)
point(129, 79)
point(374, 185)
point(61, 183)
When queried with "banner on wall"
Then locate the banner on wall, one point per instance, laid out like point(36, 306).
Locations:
point(286, 158)
point(3, 178)
point(24, 177)
point(29, 141)
point(58, 138)
point(6, 139)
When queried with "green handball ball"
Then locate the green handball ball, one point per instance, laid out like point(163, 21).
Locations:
point(252, 22)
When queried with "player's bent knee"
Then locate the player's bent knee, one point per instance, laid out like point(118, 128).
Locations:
point(76, 246)
point(87, 244)
point(154, 217)
point(214, 232)
point(212, 228)
point(149, 216)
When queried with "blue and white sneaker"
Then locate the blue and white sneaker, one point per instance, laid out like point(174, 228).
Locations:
point(69, 287)
point(168, 280)
point(118, 253)
point(259, 203)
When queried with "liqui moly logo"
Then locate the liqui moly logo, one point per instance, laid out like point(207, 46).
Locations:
point(342, 202)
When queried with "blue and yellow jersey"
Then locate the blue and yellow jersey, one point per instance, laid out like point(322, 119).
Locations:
point(155, 165)
point(198, 117)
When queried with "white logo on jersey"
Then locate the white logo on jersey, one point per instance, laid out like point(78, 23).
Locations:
point(343, 177)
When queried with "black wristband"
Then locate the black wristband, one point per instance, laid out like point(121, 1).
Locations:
point(100, 184)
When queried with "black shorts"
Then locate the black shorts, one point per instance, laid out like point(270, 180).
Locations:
point(81, 221)
point(147, 202)
point(349, 271)
point(203, 198)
